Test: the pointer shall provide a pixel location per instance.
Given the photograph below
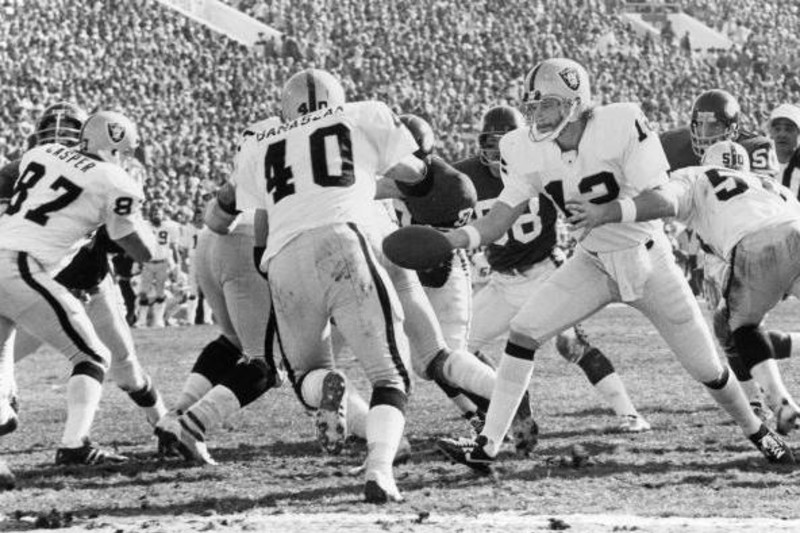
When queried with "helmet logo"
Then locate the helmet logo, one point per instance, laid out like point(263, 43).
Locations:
point(116, 131)
point(571, 78)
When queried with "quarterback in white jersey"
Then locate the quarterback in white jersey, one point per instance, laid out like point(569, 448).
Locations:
point(581, 155)
point(314, 177)
point(61, 196)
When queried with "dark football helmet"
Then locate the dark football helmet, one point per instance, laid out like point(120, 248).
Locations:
point(497, 121)
point(715, 117)
point(422, 133)
point(59, 123)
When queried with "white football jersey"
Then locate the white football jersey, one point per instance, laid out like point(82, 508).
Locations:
point(167, 234)
point(724, 205)
point(60, 198)
point(319, 169)
point(188, 237)
point(618, 156)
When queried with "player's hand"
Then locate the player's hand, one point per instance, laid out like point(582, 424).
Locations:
point(585, 216)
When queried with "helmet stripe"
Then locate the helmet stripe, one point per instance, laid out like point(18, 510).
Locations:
point(533, 76)
point(312, 92)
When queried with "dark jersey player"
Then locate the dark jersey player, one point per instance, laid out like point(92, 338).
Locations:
point(524, 257)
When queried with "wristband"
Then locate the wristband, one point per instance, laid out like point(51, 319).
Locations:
point(627, 209)
point(474, 237)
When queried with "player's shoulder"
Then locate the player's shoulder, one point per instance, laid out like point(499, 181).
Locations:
point(117, 179)
point(615, 121)
point(516, 142)
point(616, 112)
point(370, 112)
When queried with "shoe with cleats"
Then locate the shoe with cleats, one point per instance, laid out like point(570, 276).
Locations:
point(632, 424)
point(381, 488)
point(179, 432)
point(772, 446)
point(88, 454)
point(787, 418)
point(331, 417)
point(468, 452)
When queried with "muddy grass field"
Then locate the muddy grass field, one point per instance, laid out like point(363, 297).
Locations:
point(693, 472)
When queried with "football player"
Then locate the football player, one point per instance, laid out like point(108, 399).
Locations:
point(629, 261)
point(236, 368)
point(312, 177)
point(88, 277)
point(715, 117)
point(62, 195)
point(156, 272)
point(521, 259)
point(742, 219)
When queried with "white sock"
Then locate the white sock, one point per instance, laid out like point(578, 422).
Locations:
point(357, 410)
point(158, 313)
point(468, 373)
point(732, 399)
point(513, 376)
point(385, 425)
point(195, 387)
point(83, 398)
point(752, 390)
point(612, 390)
point(312, 387)
point(213, 409)
point(191, 309)
point(795, 338)
point(766, 373)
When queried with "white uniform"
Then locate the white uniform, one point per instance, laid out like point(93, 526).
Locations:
point(756, 230)
point(61, 197)
point(618, 156)
point(316, 177)
point(189, 237)
point(155, 273)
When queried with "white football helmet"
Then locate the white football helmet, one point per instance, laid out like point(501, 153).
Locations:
point(727, 154)
point(308, 91)
point(111, 136)
point(554, 84)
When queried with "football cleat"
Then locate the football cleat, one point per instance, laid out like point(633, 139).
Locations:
point(166, 446)
point(7, 479)
point(524, 436)
point(331, 417)
point(178, 433)
point(381, 488)
point(772, 446)
point(8, 416)
point(468, 452)
point(88, 454)
point(787, 418)
point(633, 424)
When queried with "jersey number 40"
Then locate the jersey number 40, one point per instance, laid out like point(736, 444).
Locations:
point(280, 177)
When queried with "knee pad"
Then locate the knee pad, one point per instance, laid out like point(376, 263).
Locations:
point(250, 379)
point(720, 382)
point(740, 369)
point(89, 369)
point(144, 396)
point(752, 345)
point(595, 365)
point(217, 359)
point(389, 396)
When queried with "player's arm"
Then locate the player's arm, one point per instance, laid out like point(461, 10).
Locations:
point(486, 229)
point(221, 212)
point(387, 189)
point(260, 233)
point(658, 202)
point(137, 245)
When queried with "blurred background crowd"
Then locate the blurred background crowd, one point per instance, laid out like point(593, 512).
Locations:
point(191, 90)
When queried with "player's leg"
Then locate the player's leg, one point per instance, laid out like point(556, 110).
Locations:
point(371, 322)
point(576, 290)
point(8, 386)
point(672, 308)
point(107, 314)
point(146, 280)
point(247, 308)
point(159, 305)
point(46, 308)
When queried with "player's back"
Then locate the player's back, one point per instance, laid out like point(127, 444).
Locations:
point(724, 205)
point(319, 169)
point(60, 198)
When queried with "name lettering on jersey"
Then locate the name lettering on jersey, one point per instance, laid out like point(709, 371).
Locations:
point(81, 162)
point(301, 121)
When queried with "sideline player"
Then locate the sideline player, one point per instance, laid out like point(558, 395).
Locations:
point(630, 262)
point(156, 272)
point(313, 177)
point(742, 219)
point(61, 196)
point(523, 258)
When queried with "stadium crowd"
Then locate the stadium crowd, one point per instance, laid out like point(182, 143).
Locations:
point(191, 90)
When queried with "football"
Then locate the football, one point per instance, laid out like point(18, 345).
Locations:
point(417, 247)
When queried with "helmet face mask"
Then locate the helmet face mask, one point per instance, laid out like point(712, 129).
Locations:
point(556, 92)
point(497, 122)
point(715, 118)
point(60, 123)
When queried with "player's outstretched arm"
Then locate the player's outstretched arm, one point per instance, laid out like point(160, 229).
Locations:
point(650, 204)
point(221, 211)
point(137, 247)
point(486, 229)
